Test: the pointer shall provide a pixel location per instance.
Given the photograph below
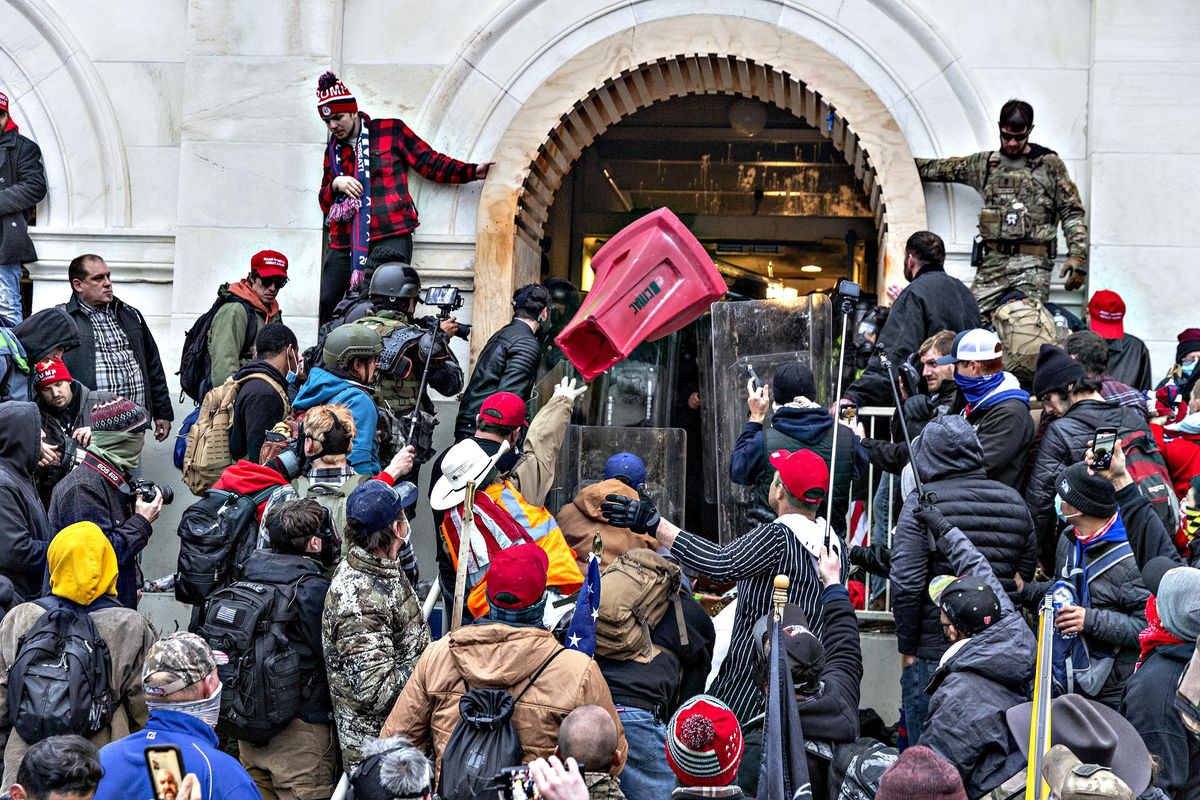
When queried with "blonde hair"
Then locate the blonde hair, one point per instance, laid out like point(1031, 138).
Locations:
point(320, 420)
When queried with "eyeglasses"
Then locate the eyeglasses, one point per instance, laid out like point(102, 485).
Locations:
point(277, 281)
point(1008, 136)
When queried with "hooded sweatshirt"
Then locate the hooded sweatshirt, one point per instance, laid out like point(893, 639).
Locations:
point(83, 572)
point(24, 528)
point(326, 385)
point(227, 336)
point(993, 515)
point(246, 477)
point(581, 521)
point(45, 331)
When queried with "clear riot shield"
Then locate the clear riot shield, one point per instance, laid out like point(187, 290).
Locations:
point(749, 339)
point(638, 391)
point(586, 448)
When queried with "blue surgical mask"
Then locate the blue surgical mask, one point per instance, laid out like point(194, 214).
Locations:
point(1187, 368)
point(1058, 509)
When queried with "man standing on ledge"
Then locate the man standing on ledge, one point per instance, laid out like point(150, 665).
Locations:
point(364, 187)
point(1026, 194)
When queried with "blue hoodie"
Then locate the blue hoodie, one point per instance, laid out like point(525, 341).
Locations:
point(324, 388)
point(221, 776)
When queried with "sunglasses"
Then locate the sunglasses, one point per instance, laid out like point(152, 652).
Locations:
point(1007, 136)
point(277, 281)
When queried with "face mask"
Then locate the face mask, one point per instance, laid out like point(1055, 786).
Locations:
point(1191, 521)
point(1058, 509)
point(291, 373)
point(207, 710)
point(975, 389)
point(1187, 369)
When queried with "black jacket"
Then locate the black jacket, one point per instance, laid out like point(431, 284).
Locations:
point(85, 495)
point(1149, 706)
point(1129, 362)
point(59, 425)
point(507, 363)
point(829, 717)
point(1005, 432)
point(45, 331)
point(22, 186)
point(933, 302)
point(992, 515)
point(256, 410)
point(978, 682)
point(24, 530)
point(304, 633)
point(1065, 443)
point(919, 411)
point(678, 673)
point(82, 360)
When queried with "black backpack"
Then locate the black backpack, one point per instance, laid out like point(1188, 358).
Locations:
point(217, 534)
point(195, 367)
point(483, 742)
point(59, 681)
point(247, 621)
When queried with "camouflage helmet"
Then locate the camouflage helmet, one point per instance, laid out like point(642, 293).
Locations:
point(394, 281)
point(349, 342)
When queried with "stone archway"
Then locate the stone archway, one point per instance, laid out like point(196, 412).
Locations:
point(666, 78)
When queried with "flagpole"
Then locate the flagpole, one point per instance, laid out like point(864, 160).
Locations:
point(779, 596)
point(464, 547)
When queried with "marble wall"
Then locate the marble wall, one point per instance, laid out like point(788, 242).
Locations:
point(180, 136)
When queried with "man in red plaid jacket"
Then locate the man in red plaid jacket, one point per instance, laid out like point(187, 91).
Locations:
point(371, 157)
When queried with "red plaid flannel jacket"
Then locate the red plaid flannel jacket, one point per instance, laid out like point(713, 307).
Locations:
point(394, 149)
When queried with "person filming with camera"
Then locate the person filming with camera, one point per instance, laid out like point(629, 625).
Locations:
point(106, 489)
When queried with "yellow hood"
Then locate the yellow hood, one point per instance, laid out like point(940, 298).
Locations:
point(83, 565)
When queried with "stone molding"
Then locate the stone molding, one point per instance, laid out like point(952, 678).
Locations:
point(137, 256)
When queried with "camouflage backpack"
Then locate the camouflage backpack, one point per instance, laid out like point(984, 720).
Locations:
point(1023, 327)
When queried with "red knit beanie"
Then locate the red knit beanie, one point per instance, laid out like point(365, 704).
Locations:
point(52, 370)
point(333, 97)
point(921, 774)
point(704, 743)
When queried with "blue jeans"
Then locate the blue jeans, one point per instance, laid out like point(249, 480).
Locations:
point(913, 681)
point(646, 775)
point(10, 295)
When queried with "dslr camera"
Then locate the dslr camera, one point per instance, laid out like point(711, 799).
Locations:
point(145, 490)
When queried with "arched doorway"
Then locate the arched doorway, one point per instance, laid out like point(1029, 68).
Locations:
point(634, 93)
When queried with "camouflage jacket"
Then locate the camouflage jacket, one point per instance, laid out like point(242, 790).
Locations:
point(602, 786)
point(373, 635)
point(1039, 182)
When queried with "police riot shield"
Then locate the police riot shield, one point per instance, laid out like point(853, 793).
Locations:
point(749, 340)
point(587, 448)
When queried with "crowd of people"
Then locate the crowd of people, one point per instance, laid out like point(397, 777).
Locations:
point(1046, 499)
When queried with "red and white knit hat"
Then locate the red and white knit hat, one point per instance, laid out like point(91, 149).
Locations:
point(704, 743)
point(333, 97)
point(3, 102)
point(50, 371)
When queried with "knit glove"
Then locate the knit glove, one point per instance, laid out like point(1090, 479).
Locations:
point(639, 516)
point(569, 389)
point(928, 515)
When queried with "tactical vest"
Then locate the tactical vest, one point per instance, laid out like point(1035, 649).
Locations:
point(1018, 201)
point(400, 364)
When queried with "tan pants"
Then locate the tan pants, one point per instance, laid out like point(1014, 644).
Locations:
point(300, 763)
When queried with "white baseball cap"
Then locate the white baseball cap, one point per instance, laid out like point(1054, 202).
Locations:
point(974, 345)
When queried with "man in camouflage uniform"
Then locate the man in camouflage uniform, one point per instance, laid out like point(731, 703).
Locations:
point(393, 298)
point(1026, 193)
point(372, 630)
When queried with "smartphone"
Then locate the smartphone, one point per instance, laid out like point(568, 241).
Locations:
point(1102, 447)
point(164, 766)
point(848, 412)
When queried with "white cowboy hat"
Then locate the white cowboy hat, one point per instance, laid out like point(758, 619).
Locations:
point(463, 463)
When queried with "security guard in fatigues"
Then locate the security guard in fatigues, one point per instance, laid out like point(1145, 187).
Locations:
point(1026, 193)
point(393, 297)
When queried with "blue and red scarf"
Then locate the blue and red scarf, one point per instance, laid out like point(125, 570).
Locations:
point(360, 229)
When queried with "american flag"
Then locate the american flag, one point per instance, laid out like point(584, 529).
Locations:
point(581, 635)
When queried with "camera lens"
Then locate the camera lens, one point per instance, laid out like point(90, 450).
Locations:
point(168, 495)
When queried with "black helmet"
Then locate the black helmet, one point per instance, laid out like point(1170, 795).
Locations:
point(394, 281)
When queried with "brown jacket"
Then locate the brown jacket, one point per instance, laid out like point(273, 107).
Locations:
point(580, 521)
point(128, 635)
point(490, 655)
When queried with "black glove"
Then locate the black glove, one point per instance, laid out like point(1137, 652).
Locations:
point(928, 515)
point(639, 516)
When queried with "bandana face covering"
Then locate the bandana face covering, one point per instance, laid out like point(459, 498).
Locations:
point(207, 710)
point(975, 389)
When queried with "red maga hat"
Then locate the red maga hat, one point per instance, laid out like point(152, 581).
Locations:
point(518, 571)
point(504, 408)
point(803, 473)
point(269, 263)
point(1106, 314)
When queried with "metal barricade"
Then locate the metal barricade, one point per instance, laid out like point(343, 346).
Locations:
point(875, 421)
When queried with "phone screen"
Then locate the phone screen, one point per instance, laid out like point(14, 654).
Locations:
point(1102, 448)
point(164, 766)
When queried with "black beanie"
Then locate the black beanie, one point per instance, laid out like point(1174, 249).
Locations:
point(793, 379)
point(1189, 342)
point(1055, 370)
point(1089, 493)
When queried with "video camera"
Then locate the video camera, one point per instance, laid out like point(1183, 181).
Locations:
point(448, 300)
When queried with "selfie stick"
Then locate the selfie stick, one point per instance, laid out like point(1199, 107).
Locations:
point(847, 310)
point(891, 370)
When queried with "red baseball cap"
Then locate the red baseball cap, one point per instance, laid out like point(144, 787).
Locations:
point(1106, 314)
point(520, 571)
point(48, 372)
point(269, 263)
point(504, 408)
point(803, 473)
point(3, 102)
